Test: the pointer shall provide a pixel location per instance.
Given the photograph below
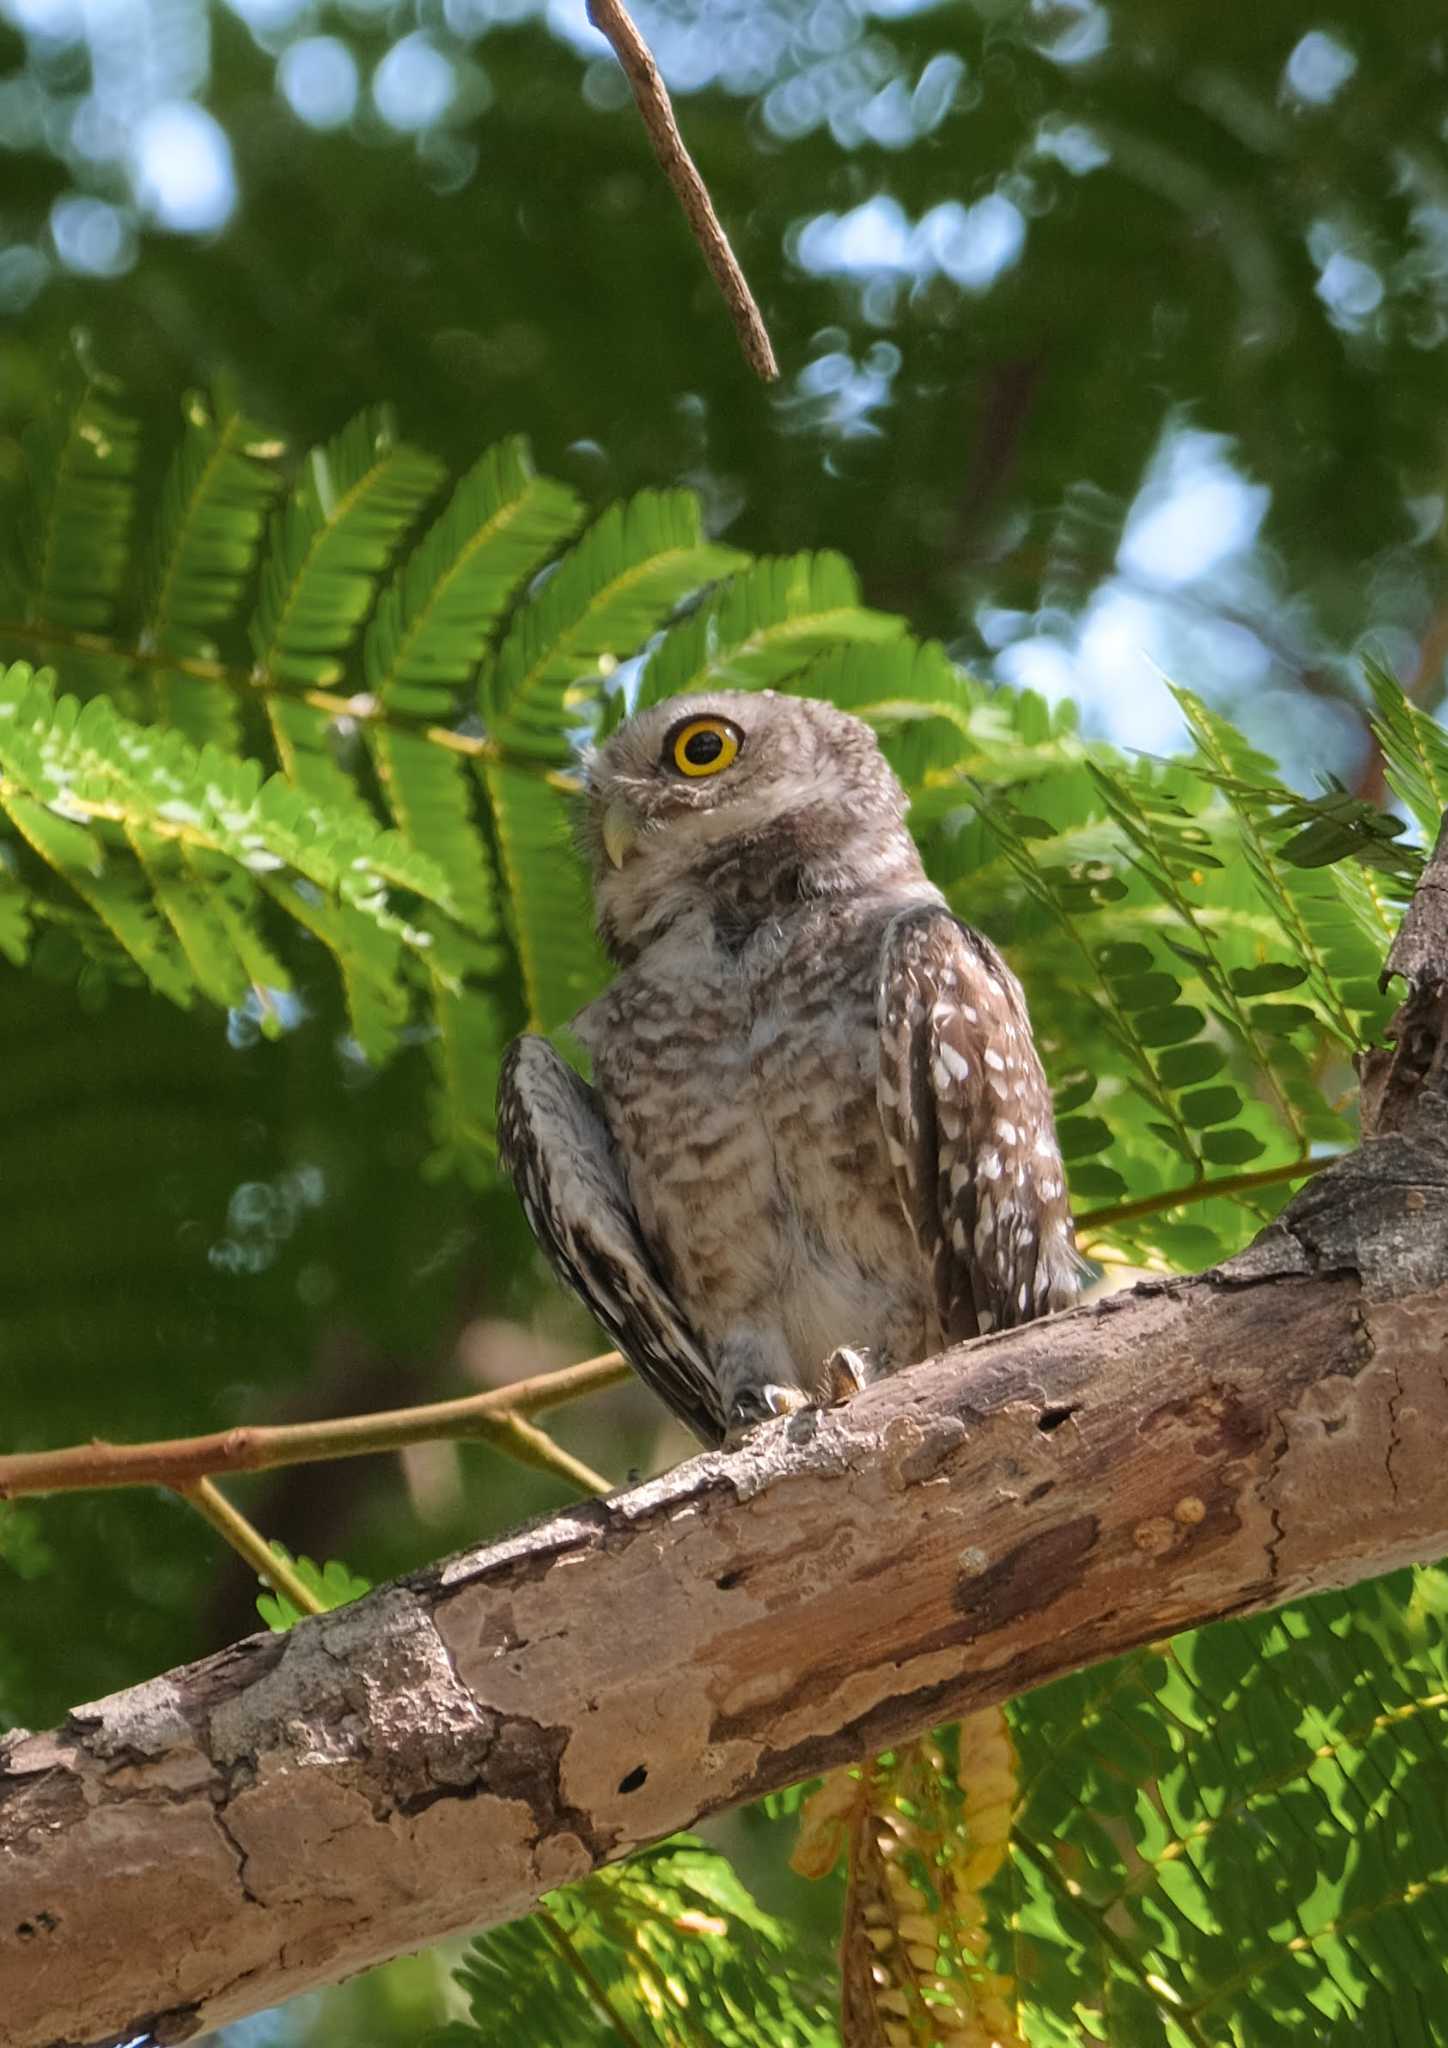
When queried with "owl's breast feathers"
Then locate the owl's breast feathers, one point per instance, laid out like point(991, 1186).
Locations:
point(741, 1084)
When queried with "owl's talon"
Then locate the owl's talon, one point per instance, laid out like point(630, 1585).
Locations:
point(761, 1404)
point(847, 1369)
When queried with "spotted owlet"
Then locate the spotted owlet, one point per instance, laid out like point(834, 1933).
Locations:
point(819, 1143)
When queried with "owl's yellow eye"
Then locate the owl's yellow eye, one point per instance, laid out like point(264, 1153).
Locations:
point(702, 746)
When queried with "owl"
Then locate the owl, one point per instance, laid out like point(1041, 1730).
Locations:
point(819, 1143)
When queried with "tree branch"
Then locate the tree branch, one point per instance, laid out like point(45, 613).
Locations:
point(651, 96)
point(438, 1755)
point(499, 1416)
point(248, 1542)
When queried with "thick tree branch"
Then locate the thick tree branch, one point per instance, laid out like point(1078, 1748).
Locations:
point(436, 1756)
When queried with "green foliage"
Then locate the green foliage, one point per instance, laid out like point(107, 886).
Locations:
point(1216, 934)
point(1237, 1837)
point(174, 860)
point(81, 453)
point(1415, 748)
point(219, 487)
point(332, 1584)
point(668, 1949)
point(764, 627)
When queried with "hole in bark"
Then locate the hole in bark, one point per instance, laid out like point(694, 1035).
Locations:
point(1037, 1492)
point(1052, 1418)
point(727, 1581)
point(634, 1779)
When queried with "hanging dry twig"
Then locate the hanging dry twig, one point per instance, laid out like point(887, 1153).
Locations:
point(612, 20)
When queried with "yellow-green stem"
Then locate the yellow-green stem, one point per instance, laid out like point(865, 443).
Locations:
point(249, 1543)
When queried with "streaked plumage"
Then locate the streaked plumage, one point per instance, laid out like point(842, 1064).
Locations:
point(817, 1116)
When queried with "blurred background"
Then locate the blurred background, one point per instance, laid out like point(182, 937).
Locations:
point(1112, 341)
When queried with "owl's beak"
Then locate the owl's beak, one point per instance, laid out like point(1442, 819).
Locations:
point(621, 827)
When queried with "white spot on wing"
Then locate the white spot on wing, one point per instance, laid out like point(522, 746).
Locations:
point(955, 1063)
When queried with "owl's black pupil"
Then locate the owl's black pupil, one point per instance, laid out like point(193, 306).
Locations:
point(700, 748)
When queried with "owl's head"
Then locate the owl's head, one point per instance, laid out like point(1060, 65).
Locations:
point(735, 802)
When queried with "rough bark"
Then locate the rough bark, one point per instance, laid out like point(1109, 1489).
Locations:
point(297, 1807)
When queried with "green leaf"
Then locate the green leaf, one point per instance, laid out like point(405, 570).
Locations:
point(559, 957)
point(1235, 1838)
point(766, 625)
point(434, 620)
point(70, 774)
point(14, 917)
point(1147, 991)
point(1282, 1017)
point(1210, 1106)
point(1184, 1064)
point(668, 1948)
point(334, 1584)
point(82, 457)
point(613, 590)
point(1095, 1179)
point(110, 889)
point(429, 792)
point(1169, 1026)
point(208, 526)
point(1080, 1136)
point(326, 549)
point(204, 935)
point(1231, 1148)
point(1315, 917)
point(1415, 748)
point(1123, 957)
point(1269, 979)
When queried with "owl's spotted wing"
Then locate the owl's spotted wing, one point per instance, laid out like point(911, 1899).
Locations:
point(560, 1155)
point(968, 1125)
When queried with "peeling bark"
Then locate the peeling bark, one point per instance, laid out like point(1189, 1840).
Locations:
point(434, 1757)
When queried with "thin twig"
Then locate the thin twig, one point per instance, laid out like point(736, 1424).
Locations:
point(499, 1417)
point(249, 1543)
point(651, 96)
point(1202, 1191)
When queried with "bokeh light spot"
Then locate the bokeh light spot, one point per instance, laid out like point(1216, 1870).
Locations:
point(182, 170)
point(318, 78)
point(92, 237)
point(414, 84)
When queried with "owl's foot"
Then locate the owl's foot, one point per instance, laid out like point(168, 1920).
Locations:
point(847, 1369)
point(753, 1405)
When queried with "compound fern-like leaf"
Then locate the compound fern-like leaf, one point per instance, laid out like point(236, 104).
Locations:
point(202, 551)
point(327, 548)
point(614, 589)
